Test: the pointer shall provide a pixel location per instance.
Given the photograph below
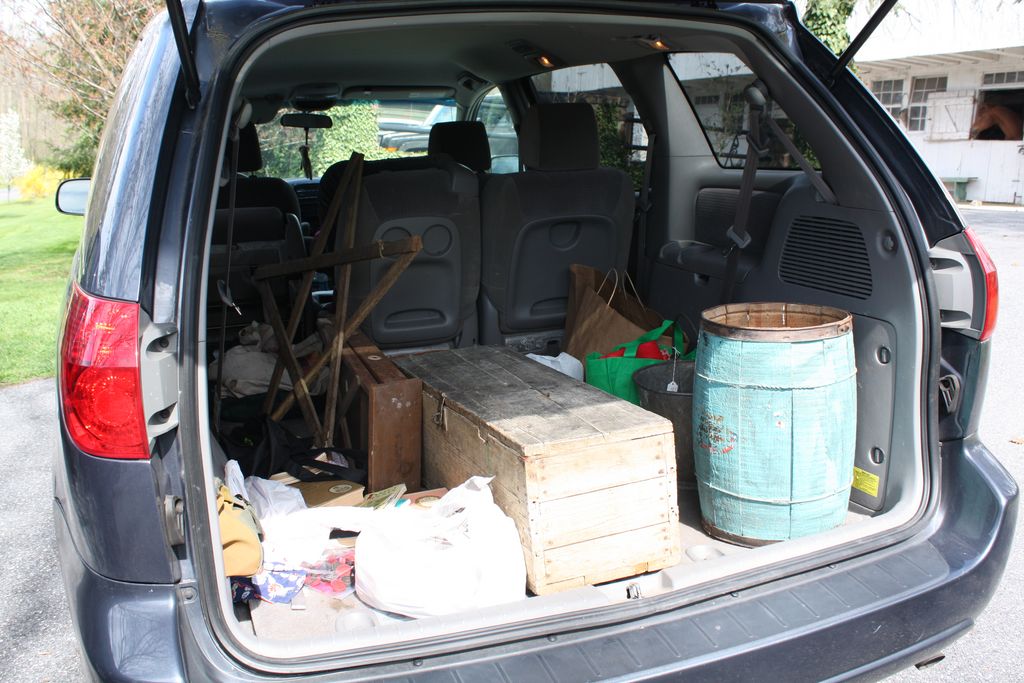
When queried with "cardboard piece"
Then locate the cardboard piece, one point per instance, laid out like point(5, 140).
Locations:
point(330, 493)
point(424, 499)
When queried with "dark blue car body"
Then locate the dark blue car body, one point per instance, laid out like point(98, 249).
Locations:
point(134, 594)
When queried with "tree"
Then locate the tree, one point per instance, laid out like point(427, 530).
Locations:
point(827, 20)
point(81, 47)
point(12, 159)
point(354, 129)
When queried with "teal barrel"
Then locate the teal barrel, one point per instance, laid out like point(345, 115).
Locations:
point(774, 420)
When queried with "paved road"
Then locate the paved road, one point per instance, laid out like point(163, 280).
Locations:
point(35, 629)
point(993, 650)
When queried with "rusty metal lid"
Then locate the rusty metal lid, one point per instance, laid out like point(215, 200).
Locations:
point(776, 322)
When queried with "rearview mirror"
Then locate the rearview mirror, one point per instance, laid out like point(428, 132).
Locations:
point(504, 163)
point(306, 121)
point(72, 196)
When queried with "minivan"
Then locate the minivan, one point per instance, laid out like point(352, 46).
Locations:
point(631, 121)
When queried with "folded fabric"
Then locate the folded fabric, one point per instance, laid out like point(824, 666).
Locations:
point(275, 584)
point(243, 590)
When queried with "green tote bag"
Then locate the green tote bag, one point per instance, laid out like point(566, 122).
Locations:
point(615, 374)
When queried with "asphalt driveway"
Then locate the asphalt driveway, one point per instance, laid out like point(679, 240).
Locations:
point(35, 629)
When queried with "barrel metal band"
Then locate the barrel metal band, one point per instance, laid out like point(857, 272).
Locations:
point(715, 380)
point(779, 501)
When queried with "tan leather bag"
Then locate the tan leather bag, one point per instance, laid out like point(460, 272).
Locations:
point(239, 534)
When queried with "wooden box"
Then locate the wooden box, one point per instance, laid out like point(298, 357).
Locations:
point(589, 479)
point(385, 420)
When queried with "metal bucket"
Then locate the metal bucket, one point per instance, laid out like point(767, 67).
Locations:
point(677, 406)
point(774, 420)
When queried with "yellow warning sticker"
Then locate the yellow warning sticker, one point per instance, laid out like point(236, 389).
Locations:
point(865, 481)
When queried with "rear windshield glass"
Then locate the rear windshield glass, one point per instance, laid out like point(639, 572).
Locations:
point(379, 130)
point(714, 84)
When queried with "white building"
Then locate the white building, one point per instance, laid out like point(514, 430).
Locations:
point(931, 62)
point(935, 97)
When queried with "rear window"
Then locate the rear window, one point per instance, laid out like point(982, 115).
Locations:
point(377, 129)
point(621, 134)
point(714, 83)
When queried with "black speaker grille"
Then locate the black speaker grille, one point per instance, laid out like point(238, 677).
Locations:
point(828, 254)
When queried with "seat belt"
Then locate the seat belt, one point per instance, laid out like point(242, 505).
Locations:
point(644, 205)
point(223, 286)
point(819, 184)
point(737, 232)
point(757, 101)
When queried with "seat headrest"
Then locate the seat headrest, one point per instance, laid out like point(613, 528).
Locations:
point(262, 224)
point(559, 137)
point(249, 157)
point(464, 141)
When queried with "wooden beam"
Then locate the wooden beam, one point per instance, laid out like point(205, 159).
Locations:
point(355, 386)
point(285, 354)
point(355, 165)
point(353, 255)
point(351, 325)
point(342, 276)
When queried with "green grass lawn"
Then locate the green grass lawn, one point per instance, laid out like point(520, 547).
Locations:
point(36, 248)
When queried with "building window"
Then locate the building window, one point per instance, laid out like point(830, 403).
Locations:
point(920, 89)
point(1003, 77)
point(889, 94)
point(705, 99)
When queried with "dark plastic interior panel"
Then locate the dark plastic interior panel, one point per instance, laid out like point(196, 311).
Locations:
point(884, 327)
point(539, 283)
point(424, 304)
point(875, 348)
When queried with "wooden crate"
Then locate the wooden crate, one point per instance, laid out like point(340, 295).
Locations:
point(589, 479)
point(385, 420)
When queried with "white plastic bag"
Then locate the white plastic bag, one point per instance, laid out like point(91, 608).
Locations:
point(272, 498)
point(300, 537)
point(269, 498)
point(563, 362)
point(462, 553)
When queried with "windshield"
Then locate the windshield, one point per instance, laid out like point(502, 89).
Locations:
point(379, 130)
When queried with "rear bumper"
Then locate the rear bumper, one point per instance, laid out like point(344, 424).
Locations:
point(856, 620)
point(126, 631)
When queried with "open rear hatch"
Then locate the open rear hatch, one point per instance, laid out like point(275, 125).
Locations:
point(608, 503)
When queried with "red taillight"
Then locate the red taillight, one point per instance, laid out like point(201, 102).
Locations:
point(99, 377)
point(988, 268)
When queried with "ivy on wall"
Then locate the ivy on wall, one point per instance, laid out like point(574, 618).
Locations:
point(827, 20)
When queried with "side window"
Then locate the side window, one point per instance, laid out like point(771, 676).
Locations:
point(621, 135)
point(501, 134)
point(714, 83)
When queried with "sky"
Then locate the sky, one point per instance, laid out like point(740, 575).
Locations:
point(915, 27)
point(921, 27)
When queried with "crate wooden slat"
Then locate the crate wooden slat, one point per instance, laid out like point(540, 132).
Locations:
point(589, 479)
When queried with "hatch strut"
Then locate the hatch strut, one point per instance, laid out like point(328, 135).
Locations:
point(858, 42)
point(176, 12)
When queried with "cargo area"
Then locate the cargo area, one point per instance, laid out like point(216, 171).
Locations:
point(436, 325)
